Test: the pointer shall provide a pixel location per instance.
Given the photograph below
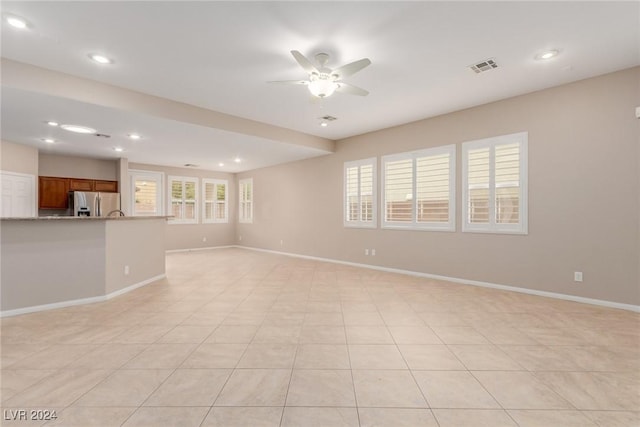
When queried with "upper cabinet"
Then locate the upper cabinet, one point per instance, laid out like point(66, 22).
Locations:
point(105, 186)
point(76, 184)
point(53, 191)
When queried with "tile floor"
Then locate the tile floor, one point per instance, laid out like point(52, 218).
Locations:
point(242, 338)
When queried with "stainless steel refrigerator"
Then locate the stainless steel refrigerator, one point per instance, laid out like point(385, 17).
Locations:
point(89, 203)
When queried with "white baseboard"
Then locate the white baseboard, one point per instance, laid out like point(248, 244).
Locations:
point(134, 286)
point(593, 301)
point(173, 251)
point(90, 300)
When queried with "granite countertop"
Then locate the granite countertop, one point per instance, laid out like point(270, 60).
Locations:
point(85, 218)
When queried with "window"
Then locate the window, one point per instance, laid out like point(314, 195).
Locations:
point(246, 200)
point(359, 193)
point(146, 192)
point(183, 199)
point(419, 189)
point(494, 172)
point(214, 197)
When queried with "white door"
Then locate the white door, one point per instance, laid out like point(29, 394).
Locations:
point(17, 195)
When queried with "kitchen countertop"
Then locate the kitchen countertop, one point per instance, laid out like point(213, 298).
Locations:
point(85, 218)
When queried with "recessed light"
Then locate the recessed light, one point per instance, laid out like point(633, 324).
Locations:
point(237, 160)
point(547, 54)
point(49, 140)
point(118, 149)
point(134, 136)
point(78, 129)
point(221, 164)
point(17, 22)
point(52, 123)
point(100, 59)
point(324, 123)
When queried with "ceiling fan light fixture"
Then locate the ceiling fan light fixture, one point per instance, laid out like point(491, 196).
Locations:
point(322, 86)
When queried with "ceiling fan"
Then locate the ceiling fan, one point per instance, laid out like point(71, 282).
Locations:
point(323, 81)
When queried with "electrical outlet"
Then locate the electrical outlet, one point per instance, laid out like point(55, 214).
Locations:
point(577, 276)
point(281, 242)
point(204, 239)
point(239, 237)
point(126, 270)
point(373, 252)
point(366, 252)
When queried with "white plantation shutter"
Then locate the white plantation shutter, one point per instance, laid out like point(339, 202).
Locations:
point(398, 190)
point(495, 186)
point(419, 189)
point(352, 196)
point(146, 192)
point(478, 184)
point(183, 199)
point(246, 200)
point(360, 193)
point(433, 188)
point(214, 197)
point(366, 193)
point(507, 184)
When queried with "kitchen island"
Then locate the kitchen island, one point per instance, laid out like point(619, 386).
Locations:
point(58, 261)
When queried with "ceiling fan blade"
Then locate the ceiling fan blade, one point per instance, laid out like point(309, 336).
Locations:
point(351, 89)
point(304, 62)
point(291, 82)
point(350, 69)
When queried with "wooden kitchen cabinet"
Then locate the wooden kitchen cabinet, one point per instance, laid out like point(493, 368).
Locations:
point(105, 186)
point(76, 184)
point(52, 193)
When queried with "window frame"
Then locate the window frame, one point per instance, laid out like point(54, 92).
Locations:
point(183, 180)
point(522, 227)
point(450, 225)
point(372, 161)
point(135, 174)
point(241, 218)
point(216, 183)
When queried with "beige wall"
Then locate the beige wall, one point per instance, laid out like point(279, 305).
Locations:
point(190, 236)
point(144, 254)
point(122, 171)
point(18, 158)
point(45, 262)
point(583, 196)
point(77, 167)
point(59, 261)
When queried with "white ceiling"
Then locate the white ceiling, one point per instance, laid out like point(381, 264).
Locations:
point(219, 56)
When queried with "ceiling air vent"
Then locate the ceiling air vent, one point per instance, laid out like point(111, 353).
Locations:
point(190, 165)
point(328, 118)
point(486, 65)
